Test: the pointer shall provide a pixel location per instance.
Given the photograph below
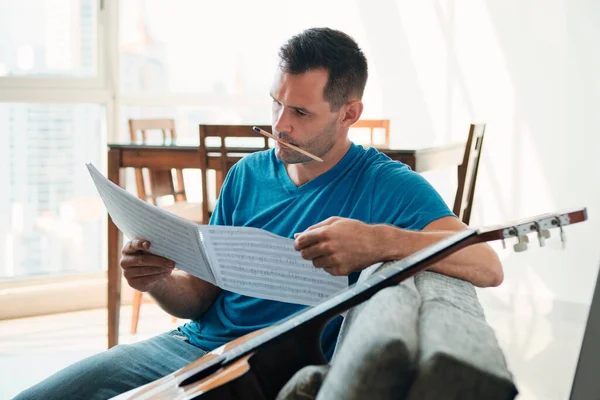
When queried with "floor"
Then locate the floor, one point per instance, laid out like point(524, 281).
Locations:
point(34, 348)
point(541, 351)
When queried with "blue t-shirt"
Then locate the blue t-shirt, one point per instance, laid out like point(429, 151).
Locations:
point(365, 185)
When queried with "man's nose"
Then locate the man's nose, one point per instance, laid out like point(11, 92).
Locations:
point(282, 122)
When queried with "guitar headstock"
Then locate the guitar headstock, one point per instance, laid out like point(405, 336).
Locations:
point(540, 225)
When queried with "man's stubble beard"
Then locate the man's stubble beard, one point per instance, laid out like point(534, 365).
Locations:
point(318, 146)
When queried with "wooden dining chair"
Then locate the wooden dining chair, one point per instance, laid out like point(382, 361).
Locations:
point(160, 184)
point(467, 173)
point(372, 125)
point(227, 143)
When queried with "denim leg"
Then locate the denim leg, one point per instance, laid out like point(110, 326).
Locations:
point(117, 370)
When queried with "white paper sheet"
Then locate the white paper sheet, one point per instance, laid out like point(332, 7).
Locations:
point(169, 235)
point(244, 260)
point(257, 263)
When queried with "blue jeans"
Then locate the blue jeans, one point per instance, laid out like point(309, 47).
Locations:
point(117, 370)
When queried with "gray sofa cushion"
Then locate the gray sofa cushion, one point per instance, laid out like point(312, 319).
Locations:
point(459, 355)
point(425, 338)
point(375, 358)
point(376, 350)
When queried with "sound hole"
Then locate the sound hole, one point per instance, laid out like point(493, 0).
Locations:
point(203, 374)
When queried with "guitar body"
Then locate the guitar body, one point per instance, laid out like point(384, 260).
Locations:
point(258, 365)
point(256, 376)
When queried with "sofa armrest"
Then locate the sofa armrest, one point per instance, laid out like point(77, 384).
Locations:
point(459, 354)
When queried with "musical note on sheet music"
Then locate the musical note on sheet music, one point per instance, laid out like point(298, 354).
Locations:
point(257, 263)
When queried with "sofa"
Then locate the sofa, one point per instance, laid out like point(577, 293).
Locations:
point(425, 338)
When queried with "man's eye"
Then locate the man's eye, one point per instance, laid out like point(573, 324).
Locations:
point(301, 113)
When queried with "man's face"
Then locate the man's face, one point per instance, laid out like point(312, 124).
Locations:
point(301, 116)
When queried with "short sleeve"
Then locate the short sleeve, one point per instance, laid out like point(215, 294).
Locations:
point(222, 214)
point(405, 199)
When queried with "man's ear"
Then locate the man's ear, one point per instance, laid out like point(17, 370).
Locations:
point(351, 113)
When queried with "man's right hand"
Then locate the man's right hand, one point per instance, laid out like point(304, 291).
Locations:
point(143, 270)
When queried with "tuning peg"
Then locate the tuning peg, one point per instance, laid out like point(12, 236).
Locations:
point(546, 233)
point(543, 234)
point(563, 237)
point(521, 245)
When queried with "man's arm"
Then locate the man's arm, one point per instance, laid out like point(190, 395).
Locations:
point(184, 296)
point(178, 293)
point(342, 246)
point(478, 264)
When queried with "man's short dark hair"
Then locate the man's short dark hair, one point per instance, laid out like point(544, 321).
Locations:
point(334, 51)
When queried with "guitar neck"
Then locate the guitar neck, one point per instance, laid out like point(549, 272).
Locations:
point(398, 271)
point(393, 274)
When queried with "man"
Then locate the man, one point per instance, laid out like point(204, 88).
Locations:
point(350, 211)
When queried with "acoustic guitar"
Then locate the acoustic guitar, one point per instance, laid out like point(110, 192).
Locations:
point(256, 366)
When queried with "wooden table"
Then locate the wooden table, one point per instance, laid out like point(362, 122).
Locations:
point(187, 156)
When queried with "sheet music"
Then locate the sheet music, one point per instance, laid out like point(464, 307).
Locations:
point(170, 236)
point(258, 263)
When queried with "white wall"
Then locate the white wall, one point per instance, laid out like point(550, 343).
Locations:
point(530, 70)
point(526, 68)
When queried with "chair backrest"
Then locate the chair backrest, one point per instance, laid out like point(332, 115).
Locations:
point(227, 156)
point(161, 182)
point(372, 125)
point(467, 173)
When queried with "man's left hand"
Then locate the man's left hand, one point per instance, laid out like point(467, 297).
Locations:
point(339, 245)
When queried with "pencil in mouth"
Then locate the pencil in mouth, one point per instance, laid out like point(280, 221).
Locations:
point(283, 142)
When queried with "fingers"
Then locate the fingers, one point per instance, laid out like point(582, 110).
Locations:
point(309, 238)
point(326, 264)
point(140, 272)
point(317, 250)
point(146, 282)
point(333, 271)
point(321, 262)
point(135, 245)
point(140, 259)
point(326, 222)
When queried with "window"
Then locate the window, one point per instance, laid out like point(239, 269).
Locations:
point(196, 62)
point(52, 121)
point(52, 218)
point(48, 38)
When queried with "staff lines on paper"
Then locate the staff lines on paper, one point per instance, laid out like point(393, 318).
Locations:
point(278, 260)
point(292, 289)
point(255, 287)
point(296, 256)
point(228, 245)
point(274, 280)
point(253, 259)
point(240, 230)
point(222, 234)
point(287, 272)
point(290, 270)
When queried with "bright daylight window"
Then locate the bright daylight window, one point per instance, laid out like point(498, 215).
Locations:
point(51, 222)
point(198, 62)
point(48, 38)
